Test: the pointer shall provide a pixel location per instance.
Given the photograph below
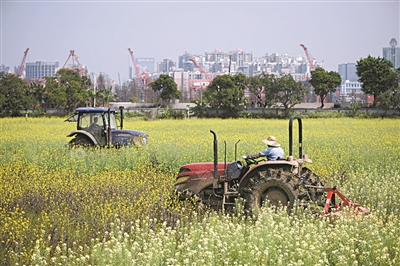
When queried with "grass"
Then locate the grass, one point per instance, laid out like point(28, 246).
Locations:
point(113, 207)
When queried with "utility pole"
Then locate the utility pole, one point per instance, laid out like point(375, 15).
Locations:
point(94, 90)
point(229, 69)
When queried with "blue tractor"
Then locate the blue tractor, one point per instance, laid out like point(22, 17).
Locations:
point(97, 127)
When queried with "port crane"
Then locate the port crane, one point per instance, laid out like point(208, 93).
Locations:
point(137, 70)
point(22, 66)
point(207, 77)
point(147, 78)
point(310, 61)
point(80, 69)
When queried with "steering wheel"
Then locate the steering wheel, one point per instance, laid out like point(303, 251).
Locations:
point(251, 161)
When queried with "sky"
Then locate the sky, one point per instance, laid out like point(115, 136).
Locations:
point(100, 32)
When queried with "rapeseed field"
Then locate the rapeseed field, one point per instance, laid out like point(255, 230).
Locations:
point(114, 206)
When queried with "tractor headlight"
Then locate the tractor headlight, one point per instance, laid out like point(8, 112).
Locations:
point(145, 140)
point(141, 140)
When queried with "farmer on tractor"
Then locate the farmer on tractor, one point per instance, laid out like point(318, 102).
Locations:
point(94, 125)
point(273, 152)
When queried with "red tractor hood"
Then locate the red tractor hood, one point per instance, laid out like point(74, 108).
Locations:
point(196, 176)
point(205, 166)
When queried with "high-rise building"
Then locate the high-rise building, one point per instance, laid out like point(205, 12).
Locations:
point(5, 69)
point(181, 79)
point(40, 69)
point(241, 57)
point(216, 56)
point(392, 53)
point(165, 66)
point(348, 72)
point(183, 61)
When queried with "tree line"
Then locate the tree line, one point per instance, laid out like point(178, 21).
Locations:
point(226, 92)
point(65, 91)
point(68, 90)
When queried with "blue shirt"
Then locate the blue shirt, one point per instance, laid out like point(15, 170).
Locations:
point(273, 153)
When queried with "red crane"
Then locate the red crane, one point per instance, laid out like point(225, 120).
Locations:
point(137, 70)
point(207, 77)
point(21, 67)
point(80, 69)
point(147, 77)
point(310, 61)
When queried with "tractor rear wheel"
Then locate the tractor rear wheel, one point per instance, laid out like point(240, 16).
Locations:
point(78, 145)
point(270, 186)
point(315, 186)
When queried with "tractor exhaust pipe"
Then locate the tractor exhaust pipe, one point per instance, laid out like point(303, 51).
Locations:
point(216, 177)
point(291, 136)
point(121, 110)
point(236, 149)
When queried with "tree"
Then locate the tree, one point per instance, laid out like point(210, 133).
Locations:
point(135, 91)
point(241, 82)
point(15, 95)
point(283, 91)
point(103, 91)
point(391, 97)
point(395, 98)
point(226, 92)
point(67, 89)
point(127, 91)
point(76, 95)
point(377, 76)
point(167, 87)
point(75, 86)
point(57, 96)
point(324, 82)
point(255, 86)
point(200, 110)
point(38, 92)
point(107, 95)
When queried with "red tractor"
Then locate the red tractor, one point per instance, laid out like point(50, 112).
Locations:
point(282, 182)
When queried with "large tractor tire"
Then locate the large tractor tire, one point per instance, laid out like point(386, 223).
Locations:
point(78, 145)
point(275, 187)
point(315, 186)
point(281, 188)
point(81, 142)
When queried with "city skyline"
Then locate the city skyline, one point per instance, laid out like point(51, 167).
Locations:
point(100, 32)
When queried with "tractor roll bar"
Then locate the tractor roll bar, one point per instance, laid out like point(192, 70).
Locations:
point(291, 136)
point(109, 141)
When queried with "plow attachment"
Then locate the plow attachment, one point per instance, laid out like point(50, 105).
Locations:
point(331, 205)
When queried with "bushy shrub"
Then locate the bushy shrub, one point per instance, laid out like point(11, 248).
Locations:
point(172, 114)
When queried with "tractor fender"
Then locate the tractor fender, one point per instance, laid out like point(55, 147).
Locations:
point(288, 165)
point(83, 132)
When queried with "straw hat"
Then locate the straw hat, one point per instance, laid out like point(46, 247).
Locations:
point(271, 141)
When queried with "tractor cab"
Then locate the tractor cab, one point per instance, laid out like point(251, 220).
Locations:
point(99, 127)
point(87, 121)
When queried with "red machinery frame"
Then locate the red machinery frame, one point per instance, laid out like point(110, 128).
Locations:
point(330, 202)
